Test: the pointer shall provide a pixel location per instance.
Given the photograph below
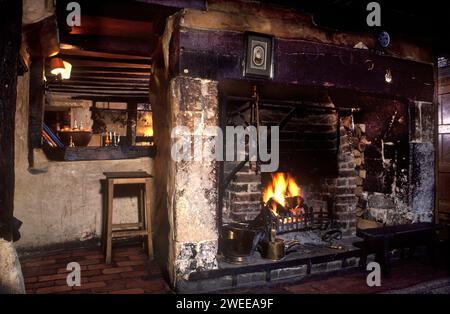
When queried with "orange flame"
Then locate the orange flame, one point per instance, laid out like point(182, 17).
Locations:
point(282, 186)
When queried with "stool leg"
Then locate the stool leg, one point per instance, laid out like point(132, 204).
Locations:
point(148, 219)
point(109, 221)
point(142, 210)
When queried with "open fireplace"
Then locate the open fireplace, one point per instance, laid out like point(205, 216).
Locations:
point(344, 162)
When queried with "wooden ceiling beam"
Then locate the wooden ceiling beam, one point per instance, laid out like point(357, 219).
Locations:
point(106, 70)
point(99, 88)
point(145, 63)
point(120, 9)
point(70, 50)
point(93, 81)
point(101, 83)
point(89, 63)
point(114, 45)
point(106, 26)
point(102, 98)
point(180, 4)
point(112, 76)
point(100, 93)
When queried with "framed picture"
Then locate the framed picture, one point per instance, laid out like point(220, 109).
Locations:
point(259, 58)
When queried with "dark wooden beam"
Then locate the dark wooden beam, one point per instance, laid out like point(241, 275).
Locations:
point(144, 63)
point(109, 44)
point(81, 84)
point(180, 4)
point(103, 98)
point(107, 26)
point(119, 9)
point(69, 50)
point(36, 107)
point(90, 69)
point(131, 123)
point(98, 88)
point(10, 41)
point(98, 92)
point(106, 76)
point(219, 56)
point(99, 63)
point(94, 82)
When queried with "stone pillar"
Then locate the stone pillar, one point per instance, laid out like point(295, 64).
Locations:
point(423, 162)
point(11, 278)
point(194, 105)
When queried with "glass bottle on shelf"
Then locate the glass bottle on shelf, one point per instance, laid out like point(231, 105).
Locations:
point(107, 140)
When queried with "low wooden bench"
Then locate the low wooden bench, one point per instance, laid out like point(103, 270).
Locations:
point(384, 239)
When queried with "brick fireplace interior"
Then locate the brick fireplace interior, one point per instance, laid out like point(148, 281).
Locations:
point(351, 154)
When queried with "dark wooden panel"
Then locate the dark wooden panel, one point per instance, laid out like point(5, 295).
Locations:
point(10, 41)
point(445, 106)
point(444, 143)
point(444, 183)
point(219, 55)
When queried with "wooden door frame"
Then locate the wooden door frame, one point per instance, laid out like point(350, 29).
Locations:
point(10, 42)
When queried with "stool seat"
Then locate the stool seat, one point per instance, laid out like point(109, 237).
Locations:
point(127, 175)
point(144, 225)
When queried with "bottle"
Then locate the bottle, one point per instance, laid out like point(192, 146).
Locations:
point(107, 141)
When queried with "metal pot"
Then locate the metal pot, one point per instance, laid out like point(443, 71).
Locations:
point(276, 249)
point(237, 241)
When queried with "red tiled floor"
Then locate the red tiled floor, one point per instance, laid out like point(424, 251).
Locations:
point(130, 272)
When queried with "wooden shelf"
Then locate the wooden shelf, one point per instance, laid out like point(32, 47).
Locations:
point(98, 153)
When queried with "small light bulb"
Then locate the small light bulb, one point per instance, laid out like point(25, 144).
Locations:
point(388, 76)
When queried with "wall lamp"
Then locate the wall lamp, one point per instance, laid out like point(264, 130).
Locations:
point(60, 69)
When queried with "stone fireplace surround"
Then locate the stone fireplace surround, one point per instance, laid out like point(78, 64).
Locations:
point(195, 192)
point(186, 205)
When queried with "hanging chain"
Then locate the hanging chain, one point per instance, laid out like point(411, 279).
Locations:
point(255, 121)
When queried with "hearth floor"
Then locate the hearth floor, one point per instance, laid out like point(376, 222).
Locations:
point(302, 252)
point(410, 276)
point(129, 272)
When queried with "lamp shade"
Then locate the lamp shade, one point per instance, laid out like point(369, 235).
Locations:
point(56, 66)
point(60, 67)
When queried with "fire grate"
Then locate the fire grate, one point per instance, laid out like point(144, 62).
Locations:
point(304, 220)
point(298, 217)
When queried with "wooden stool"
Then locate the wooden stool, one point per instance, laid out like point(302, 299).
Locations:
point(144, 225)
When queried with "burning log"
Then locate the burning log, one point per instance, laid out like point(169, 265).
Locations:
point(276, 207)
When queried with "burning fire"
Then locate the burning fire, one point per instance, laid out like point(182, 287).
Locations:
point(281, 187)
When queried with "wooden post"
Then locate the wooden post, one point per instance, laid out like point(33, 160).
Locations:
point(131, 123)
point(10, 41)
point(109, 223)
point(36, 109)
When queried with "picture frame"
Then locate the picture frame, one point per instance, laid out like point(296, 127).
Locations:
point(259, 56)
